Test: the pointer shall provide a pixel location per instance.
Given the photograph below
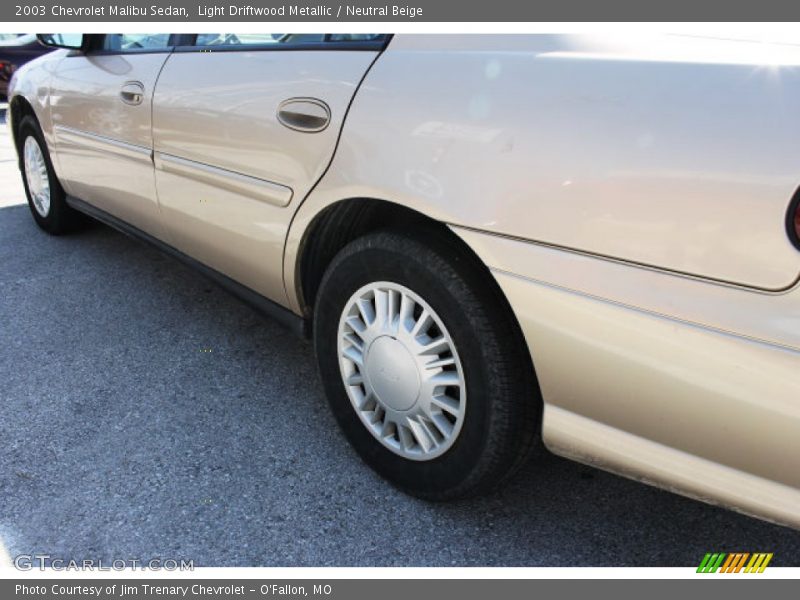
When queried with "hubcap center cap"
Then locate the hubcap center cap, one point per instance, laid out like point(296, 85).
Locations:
point(392, 373)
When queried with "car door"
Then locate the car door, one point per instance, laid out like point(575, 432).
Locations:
point(101, 102)
point(243, 126)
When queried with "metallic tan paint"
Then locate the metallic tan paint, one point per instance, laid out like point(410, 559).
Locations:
point(659, 385)
point(769, 317)
point(698, 376)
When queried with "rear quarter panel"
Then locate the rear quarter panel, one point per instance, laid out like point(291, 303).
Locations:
point(675, 152)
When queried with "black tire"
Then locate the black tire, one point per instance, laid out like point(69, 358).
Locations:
point(503, 410)
point(60, 218)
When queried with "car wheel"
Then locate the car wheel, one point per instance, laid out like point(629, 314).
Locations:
point(424, 365)
point(46, 197)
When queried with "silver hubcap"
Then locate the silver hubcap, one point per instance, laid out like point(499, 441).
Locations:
point(36, 176)
point(401, 370)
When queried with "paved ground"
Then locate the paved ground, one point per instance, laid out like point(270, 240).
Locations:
point(120, 437)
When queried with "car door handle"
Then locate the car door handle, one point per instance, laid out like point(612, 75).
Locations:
point(304, 114)
point(132, 93)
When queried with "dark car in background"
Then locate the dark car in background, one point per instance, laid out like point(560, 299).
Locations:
point(15, 51)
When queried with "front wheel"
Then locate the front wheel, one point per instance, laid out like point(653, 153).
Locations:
point(424, 365)
point(46, 197)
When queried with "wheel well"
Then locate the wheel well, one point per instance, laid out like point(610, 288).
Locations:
point(19, 108)
point(341, 223)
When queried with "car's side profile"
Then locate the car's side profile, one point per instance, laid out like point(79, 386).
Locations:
point(490, 239)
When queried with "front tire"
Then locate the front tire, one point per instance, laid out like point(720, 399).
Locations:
point(424, 365)
point(46, 197)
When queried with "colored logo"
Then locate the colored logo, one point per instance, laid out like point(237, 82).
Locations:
point(735, 562)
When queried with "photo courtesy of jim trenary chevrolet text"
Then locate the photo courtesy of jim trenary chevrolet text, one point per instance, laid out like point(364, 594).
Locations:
point(435, 298)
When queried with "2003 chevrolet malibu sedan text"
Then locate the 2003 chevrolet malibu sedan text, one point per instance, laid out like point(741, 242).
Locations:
point(491, 239)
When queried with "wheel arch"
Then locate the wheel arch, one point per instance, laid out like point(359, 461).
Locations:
point(409, 236)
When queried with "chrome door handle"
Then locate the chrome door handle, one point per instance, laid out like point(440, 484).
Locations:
point(132, 93)
point(304, 114)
